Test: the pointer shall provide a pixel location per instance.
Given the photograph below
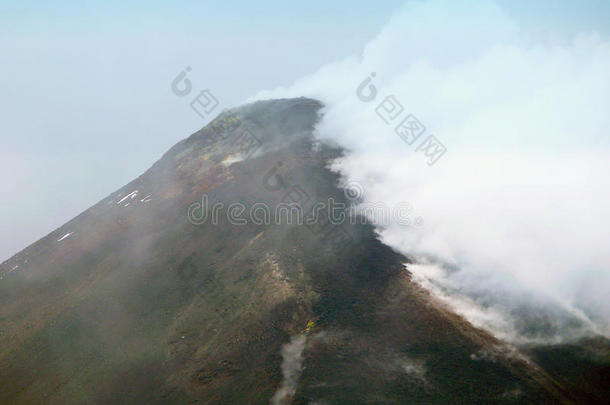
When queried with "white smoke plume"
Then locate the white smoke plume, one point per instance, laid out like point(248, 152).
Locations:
point(292, 360)
point(515, 212)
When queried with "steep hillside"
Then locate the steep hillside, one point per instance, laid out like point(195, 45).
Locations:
point(148, 297)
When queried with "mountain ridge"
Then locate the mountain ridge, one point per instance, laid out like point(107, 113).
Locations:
point(138, 300)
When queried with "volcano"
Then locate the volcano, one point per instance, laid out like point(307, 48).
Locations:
point(212, 278)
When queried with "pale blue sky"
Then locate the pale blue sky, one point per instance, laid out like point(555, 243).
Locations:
point(86, 101)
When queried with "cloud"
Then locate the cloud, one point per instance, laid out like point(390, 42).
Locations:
point(517, 206)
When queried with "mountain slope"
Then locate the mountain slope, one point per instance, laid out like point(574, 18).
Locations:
point(144, 298)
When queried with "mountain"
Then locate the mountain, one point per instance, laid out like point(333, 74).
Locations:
point(183, 287)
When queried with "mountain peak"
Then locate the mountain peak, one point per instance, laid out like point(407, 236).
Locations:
point(179, 288)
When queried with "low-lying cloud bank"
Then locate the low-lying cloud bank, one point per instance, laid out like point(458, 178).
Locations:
point(515, 211)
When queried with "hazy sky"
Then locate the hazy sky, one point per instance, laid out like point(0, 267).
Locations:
point(86, 104)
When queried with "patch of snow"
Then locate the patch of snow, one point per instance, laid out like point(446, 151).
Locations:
point(146, 199)
point(65, 236)
point(130, 196)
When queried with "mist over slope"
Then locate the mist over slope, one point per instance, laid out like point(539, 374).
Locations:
point(514, 212)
